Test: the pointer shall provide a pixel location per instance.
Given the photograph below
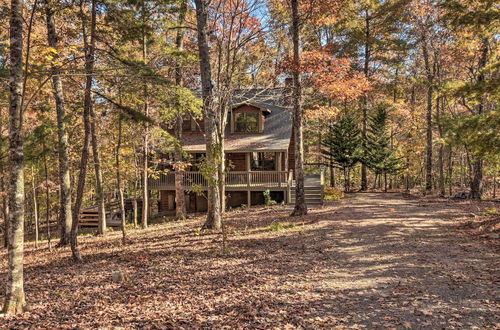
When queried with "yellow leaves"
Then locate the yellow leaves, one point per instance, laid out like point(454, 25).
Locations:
point(47, 55)
point(322, 113)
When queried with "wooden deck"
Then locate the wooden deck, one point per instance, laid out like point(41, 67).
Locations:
point(89, 217)
point(279, 180)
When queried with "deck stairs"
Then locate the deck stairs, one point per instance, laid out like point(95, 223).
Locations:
point(313, 190)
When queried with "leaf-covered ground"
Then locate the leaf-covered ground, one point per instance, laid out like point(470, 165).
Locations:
point(372, 260)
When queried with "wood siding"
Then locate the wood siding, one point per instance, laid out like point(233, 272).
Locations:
point(238, 161)
point(291, 153)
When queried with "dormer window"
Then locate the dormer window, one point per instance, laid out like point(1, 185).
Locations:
point(246, 122)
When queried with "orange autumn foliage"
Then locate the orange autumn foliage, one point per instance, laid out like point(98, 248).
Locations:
point(333, 77)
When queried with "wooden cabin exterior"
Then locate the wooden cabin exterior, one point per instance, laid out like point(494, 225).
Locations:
point(259, 150)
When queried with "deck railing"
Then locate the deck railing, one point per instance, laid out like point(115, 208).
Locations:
point(234, 179)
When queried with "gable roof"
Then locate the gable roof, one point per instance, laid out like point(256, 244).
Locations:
point(277, 128)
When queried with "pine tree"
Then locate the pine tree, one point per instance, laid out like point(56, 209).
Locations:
point(378, 154)
point(342, 145)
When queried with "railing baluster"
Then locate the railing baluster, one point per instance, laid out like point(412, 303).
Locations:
point(242, 179)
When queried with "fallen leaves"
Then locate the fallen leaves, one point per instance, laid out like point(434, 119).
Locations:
point(373, 271)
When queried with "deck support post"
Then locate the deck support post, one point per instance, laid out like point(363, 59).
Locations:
point(249, 198)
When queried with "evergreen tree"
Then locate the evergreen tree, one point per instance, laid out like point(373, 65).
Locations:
point(342, 145)
point(378, 154)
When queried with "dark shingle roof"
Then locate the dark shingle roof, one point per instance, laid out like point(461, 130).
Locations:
point(277, 126)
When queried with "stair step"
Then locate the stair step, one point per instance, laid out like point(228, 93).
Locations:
point(318, 193)
point(310, 198)
point(309, 203)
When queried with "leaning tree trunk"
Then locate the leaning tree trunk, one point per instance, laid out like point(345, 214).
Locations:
point(214, 216)
point(476, 188)
point(300, 198)
point(180, 199)
point(14, 293)
point(62, 134)
point(87, 106)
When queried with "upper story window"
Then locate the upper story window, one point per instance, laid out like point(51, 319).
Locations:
point(186, 124)
point(246, 122)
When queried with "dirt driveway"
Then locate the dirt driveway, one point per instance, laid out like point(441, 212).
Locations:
point(400, 262)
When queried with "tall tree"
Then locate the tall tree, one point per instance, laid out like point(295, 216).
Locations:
point(101, 228)
point(14, 296)
point(214, 214)
point(145, 144)
point(180, 200)
point(87, 109)
point(379, 154)
point(342, 145)
point(119, 180)
point(300, 207)
point(65, 214)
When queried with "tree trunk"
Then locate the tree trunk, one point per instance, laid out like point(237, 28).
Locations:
point(62, 134)
point(180, 200)
point(35, 206)
point(332, 174)
point(5, 210)
point(47, 197)
point(119, 180)
point(98, 174)
point(134, 206)
point(450, 171)
point(222, 169)
point(440, 109)
point(428, 147)
point(476, 188)
point(214, 216)
point(145, 145)
point(346, 180)
point(300, 198)
point(366, 71)
point(14, 295)
point(385, 182)
point(494, 187)
point(87, 106)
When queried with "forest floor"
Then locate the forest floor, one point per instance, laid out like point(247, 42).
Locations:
point(369, 261)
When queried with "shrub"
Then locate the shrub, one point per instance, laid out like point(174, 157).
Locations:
point(281, 226)
point(267, 198)
point(333, 194)
point(491, 211)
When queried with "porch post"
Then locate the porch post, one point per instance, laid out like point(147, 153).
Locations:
point(247, 161)
point(249, 198)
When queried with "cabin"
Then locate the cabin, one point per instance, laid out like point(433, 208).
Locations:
point(259, 150)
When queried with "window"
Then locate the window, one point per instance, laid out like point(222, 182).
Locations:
point(186, 125)
point(246, 122)
point(263, 161)
point(195, 160)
